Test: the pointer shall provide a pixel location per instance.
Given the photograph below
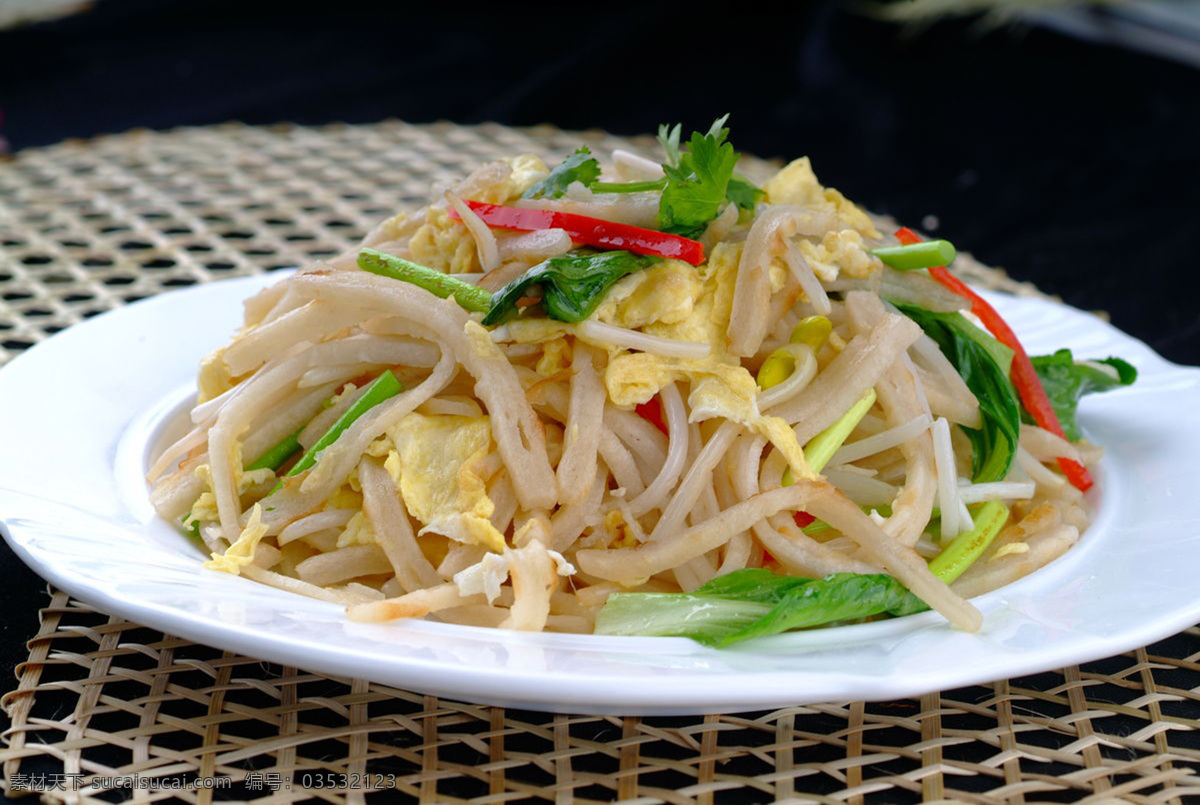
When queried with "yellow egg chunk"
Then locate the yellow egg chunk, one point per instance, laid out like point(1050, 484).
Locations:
point(797, 184)
point(443, 243)
point(434, 467)
point(633, 378)
point(357, 532)
point(664, 293)
point(534, 330)
point(241, 552)
point(213, 379)
point(698, 304)
point(527, 170)
point(556, 357)
point(839, 252)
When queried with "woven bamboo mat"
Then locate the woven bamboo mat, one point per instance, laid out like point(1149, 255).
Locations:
point(104, 707)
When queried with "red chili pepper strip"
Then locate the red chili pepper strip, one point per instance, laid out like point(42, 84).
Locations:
point(592, 231)
point(803, 519)
point(652, 412)
point(1024, 376)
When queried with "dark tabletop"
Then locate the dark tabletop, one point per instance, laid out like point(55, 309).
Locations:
point(1071, 165)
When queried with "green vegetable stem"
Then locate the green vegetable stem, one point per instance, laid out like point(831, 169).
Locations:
point(381, 388)
point(470, 297)
point(821, 447)
point(926, 254)
point(275, 458)
point(628, 187)
point(968, 546)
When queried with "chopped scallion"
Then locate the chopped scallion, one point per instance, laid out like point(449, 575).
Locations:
point(274, 458)
point(926, 254)
point(381, 388)
point(470, 297)
point(821, 447)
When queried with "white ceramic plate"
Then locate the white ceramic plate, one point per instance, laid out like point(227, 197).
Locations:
point(80, 413)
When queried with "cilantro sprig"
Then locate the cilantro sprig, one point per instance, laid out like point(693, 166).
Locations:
point(737, 189)
point(698, 179)
point(580, 167)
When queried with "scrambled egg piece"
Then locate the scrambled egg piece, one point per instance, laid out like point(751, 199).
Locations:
point(346, 391)
point(204, 510)
point(241, 552)
point(695, 307)
point(527, 170)
point(358, 531)
point(433, 464)
point(443, 243)
point(623, 533)
point(778, 275)
point(481, 342)
point(556, 357)
point(214, 378)
point(346, 497)
point(534, 330)
point(839, 251)
point(797, 184)
point(664, 293)
point(380, 447)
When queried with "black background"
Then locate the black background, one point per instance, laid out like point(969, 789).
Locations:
point(1071, 165)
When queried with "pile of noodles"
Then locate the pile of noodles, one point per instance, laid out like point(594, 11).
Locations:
point(590, 497)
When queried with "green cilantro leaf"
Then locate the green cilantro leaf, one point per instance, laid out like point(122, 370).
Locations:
point(578, 167)
point(718, 129)
point(696, 188)
point(668, 136)
point(696, 185)
point(743, 193)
